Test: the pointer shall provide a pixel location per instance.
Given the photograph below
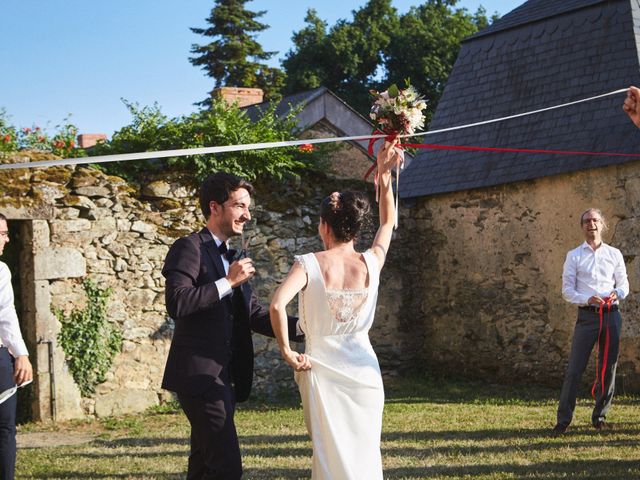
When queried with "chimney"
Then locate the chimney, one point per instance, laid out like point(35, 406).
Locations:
point(88, 140)
point(245, 96)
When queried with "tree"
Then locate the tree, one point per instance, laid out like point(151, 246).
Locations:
point(234, 57)
point(378, 47)
point(347, 58)
point(306, 65)
point(426, 45)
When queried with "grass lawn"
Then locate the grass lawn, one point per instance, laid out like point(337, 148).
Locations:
point(432, 429)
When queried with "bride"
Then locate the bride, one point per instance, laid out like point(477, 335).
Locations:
point(339, 376)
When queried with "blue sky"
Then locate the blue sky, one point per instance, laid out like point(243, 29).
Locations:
point(80, 58)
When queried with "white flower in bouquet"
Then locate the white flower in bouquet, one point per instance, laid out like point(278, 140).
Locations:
point(398, 111)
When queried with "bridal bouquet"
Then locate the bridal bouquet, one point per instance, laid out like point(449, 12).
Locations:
point(395, 112)
point(398, 111)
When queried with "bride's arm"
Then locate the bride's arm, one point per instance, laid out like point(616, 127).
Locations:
point(387, 159)
point(295, 281)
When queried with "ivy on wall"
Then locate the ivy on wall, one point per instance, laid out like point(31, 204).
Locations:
point(90, 342)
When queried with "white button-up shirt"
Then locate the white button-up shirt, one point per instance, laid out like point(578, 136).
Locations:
point(589, 272)
point(222, 284)
point(9, 327)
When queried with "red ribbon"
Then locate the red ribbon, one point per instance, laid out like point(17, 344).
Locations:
point(372, 141)
point(608, 301)
point(472, 148)
point(390, 136)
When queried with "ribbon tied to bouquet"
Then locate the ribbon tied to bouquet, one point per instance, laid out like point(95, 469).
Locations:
point(399, 166)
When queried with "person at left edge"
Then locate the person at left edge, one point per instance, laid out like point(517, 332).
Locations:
point(15, 368)
point(210, 361)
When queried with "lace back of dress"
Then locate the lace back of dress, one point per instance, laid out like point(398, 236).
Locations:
point(345, 305)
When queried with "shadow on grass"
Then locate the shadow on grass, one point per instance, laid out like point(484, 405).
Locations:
point(128, 476)
point(426, 389)
point(414, 389)
point(628, 429)
point(270, 448)
point(575, 470)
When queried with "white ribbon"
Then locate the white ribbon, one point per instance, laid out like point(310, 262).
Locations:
point(124, 157)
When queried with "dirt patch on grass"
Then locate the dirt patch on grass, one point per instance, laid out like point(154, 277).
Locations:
point(51, 439)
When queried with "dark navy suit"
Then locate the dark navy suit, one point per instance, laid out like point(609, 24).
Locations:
point(210, 362)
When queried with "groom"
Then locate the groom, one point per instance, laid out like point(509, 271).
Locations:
point(210, 362)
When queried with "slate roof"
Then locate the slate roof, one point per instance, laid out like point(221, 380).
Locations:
point(533, 11)
point(543, 53)
point(254, 111)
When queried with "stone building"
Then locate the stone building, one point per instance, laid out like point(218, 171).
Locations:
point(491, 230)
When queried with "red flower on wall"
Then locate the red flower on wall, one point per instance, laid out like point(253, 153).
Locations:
point(306, 148)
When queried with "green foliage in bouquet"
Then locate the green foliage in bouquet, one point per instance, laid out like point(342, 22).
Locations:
point(398, 111)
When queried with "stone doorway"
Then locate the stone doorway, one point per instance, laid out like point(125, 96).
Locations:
point(12, 257)
point(34, 264)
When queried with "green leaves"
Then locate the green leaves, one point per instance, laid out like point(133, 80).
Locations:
point(220, 125)
point(90, 342)
point(378, 47)
point(35, 138)
point(393, 91)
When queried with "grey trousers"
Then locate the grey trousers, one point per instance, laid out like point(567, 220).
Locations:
point(585, 335)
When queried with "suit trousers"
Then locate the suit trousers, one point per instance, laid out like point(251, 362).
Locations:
point(7, 418)
point(215, 451)
point(585, 336)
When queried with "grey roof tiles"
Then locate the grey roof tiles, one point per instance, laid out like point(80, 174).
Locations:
point(544, 53)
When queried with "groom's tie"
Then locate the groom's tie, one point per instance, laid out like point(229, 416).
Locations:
point(226, 252)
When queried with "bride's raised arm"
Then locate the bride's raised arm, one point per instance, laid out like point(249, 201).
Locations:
point(388, 157)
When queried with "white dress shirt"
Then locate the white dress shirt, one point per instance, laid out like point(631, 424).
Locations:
point(9, 327)
point(224, 287)
point(222, 284)
point(589, 272)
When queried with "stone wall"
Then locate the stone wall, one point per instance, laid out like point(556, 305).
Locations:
point(96, 226)
point(482, 275)
point(471, 285)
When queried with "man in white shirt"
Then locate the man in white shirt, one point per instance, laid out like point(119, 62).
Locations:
point(594, 279)
point(15, 368)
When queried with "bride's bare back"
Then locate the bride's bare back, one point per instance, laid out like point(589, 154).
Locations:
point(343, 270)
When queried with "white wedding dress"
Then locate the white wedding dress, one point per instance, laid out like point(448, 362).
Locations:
point(342, 393)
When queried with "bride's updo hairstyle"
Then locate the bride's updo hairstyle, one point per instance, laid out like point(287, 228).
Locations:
point(346, 213)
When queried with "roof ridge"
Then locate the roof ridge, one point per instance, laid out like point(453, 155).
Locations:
point(533, 11)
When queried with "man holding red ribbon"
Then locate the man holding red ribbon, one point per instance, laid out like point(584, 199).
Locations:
point(594, 278)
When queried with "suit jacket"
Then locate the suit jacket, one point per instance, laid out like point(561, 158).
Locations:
point(211, 334)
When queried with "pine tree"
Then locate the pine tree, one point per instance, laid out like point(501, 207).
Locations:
point(234, 58)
